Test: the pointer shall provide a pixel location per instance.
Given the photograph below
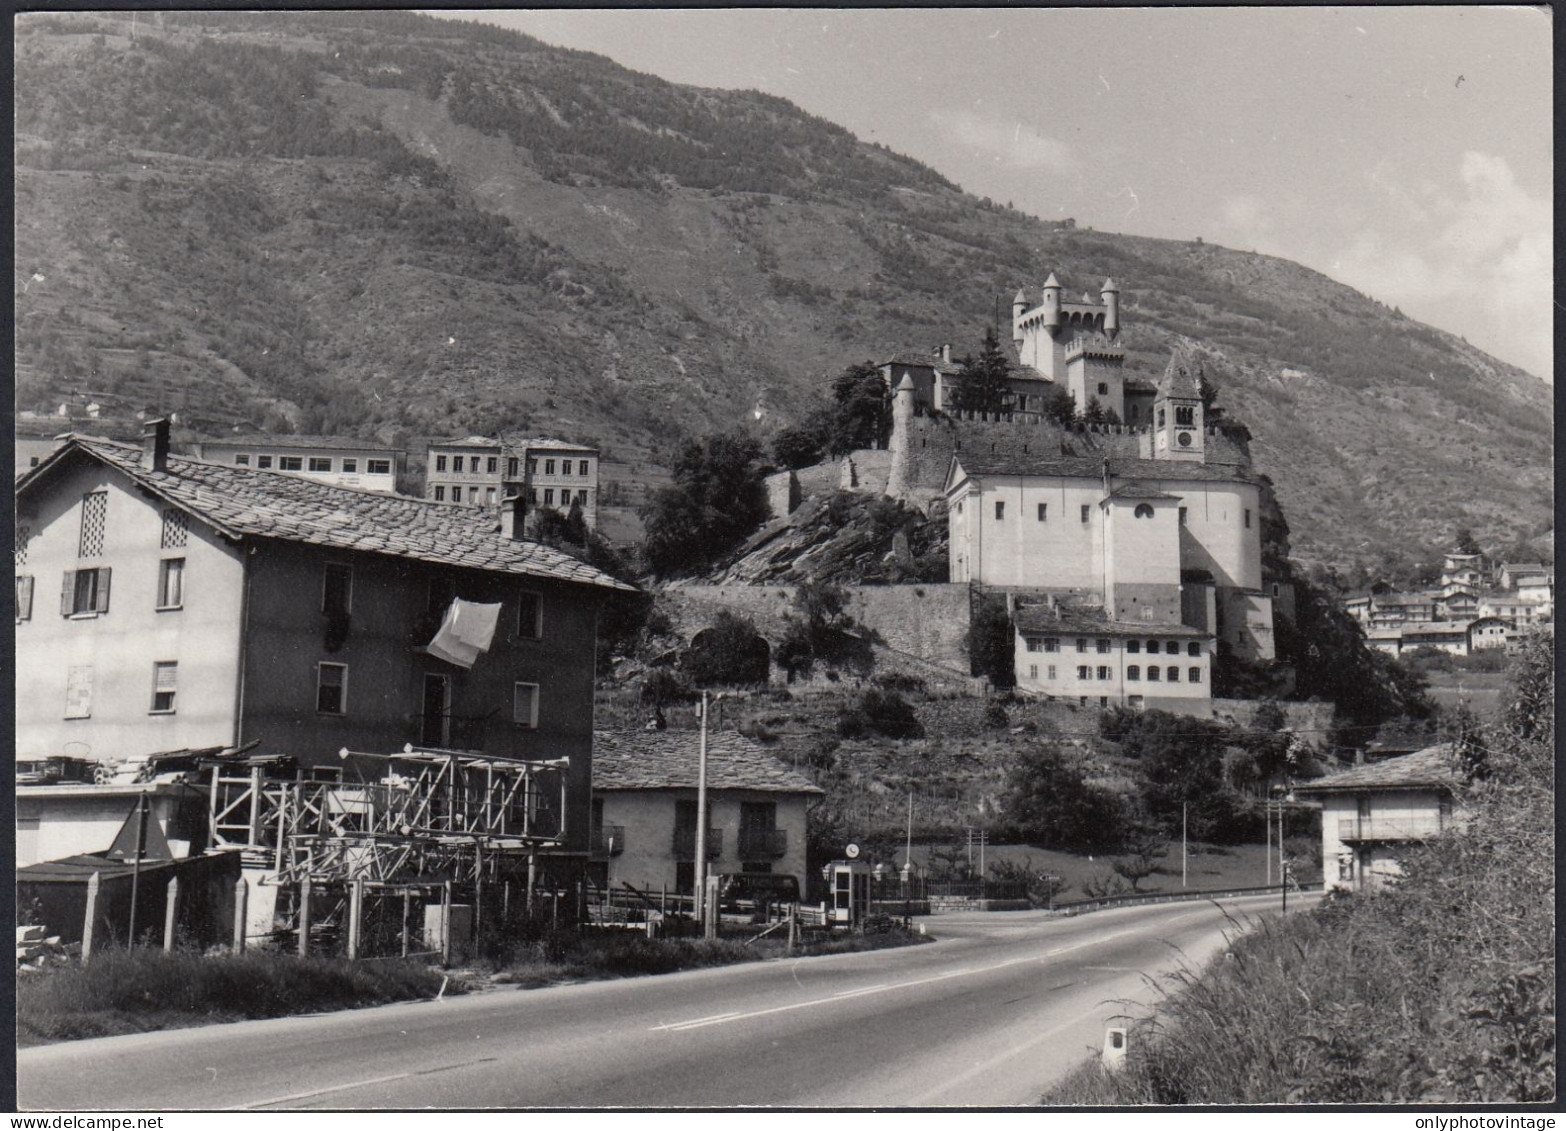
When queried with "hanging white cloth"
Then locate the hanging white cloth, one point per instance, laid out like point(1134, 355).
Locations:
point(467, 630)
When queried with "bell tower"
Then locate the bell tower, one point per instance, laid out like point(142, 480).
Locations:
point(1178, 427)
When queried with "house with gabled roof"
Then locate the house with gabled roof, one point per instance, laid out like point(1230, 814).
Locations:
point(340, 460)
point(1081, 655)
point(205, 604)
point(644, 808)
point(1371, 814)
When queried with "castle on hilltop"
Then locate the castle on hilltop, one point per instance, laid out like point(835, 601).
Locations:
point(1112, 542)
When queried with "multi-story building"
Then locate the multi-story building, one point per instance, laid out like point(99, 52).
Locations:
point(251, 605)
point(481, 471)
point(1080, 655)
point(336, 460)
point(1372, 814)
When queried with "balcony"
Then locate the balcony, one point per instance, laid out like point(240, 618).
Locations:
point(607, 841)
point(685, 844)
point(762, 844)
point(1389, 829)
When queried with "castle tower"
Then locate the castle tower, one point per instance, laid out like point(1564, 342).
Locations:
point(1178, 427)
point(1051, 302)
point(900, 443)
point(1018, 304)
point(1111, 296)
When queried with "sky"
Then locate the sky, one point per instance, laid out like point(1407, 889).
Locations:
point(1404, 151)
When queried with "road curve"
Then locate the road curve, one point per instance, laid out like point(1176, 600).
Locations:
point(990, 1015)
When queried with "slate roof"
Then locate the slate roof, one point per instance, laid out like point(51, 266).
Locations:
point(243, 501)
point(1067, 619)
point(1429, 768)
point(670, 759)
point(1182, 377)
point(258, 440)
point(1038, 447)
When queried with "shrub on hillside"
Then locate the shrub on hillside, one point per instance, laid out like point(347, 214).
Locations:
point(1049, 802)
point(879, 712)
point(729, 652)
point(717, 498)
point(991, 643)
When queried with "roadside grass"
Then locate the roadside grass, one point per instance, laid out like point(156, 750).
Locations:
point(144, 990)
point(1438, 988)
point(137, 991)
point(559, 959)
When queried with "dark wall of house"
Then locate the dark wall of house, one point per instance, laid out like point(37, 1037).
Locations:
point(391, 618)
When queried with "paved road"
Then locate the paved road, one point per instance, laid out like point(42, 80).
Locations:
point(990, 1015)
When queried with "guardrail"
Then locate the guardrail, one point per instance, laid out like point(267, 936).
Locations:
point(1078, 906)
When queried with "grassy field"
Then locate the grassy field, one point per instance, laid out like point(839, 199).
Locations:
point(1207, 866)
point(1480, 690)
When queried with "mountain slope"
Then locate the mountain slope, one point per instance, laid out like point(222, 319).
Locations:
point(386, 224)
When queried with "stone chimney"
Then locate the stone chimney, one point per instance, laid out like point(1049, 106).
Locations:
point(155, 445)
point(513, 514)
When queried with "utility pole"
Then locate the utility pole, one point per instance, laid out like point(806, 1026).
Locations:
point(1184, 805)
point(701, 816)
point(141, 848)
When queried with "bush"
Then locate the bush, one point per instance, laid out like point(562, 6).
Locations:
point(729, 652)
point(1049, 802)
point(717, 498)
point(661, 687)
point(879, 712)
point(992, 643)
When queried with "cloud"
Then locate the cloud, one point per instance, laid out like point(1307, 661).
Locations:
point(1485, 263)
point(1012, 143)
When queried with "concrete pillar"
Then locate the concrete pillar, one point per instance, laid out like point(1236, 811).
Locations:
point(90, 921)
point(241, 912)
point(170, 915)
point(304, 918)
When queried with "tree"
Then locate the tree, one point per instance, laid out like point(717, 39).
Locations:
point(818, 633)
point(863, 410)
point(1049, 802)
point(1055, 404)
point(803, 444)
point(992, 644)
point(1465, 541)
point(983, 382)
point(717, 498)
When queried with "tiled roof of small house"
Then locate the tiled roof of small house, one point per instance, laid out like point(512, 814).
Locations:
point(670, 759)
point(467, 442)
point(1432, 767)
point(243, 501)
point(1437, 628)
point(259, 440)
point(1068, 618)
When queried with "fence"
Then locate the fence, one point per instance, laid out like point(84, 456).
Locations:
point(1078, 906)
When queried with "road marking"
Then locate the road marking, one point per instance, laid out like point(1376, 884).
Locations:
point(359, 1084)
point(724, 1018)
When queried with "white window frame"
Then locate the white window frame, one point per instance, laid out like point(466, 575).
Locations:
point(290, 463)
point(342, 706)
point(581, 467)
point(531, 722)
point(350, 466)
point(440, 463)
point(159, 666)
point(319, 463)
point(24, 597)
point(241, 459)
point(378, 467)
point(98, 592)
point(264, 462)
point(167, 569)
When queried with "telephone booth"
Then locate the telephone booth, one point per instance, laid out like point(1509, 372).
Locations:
point(848, 882)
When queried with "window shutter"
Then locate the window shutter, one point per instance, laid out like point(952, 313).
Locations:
point(68, 593)
point(24, 598)
point(103, 589)
point(165, 677)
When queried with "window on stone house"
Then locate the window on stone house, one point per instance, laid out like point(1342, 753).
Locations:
point(524, 705)
point(456, 463)
point(1043, 508)
point(1051, 671)
point(1134, 672)
point(165, 676)
point(440, 494)
point(85, 592)
point(1081, 644)
point(320, 463)
point(337, 590)
point(1193, 649)
point(1103, 671)
point(1052, 644)
point(530, 616)
point(1185, 414)
point(24, 597)
point(264, 462)
point(1102, 645)
point(1103, 389)
point(1173, 673)
point(565, 467)
point(581, 467)
point(549, 467)
point(549, 496)
point(581, 497)
point(491, 464)
point(171, 583)
point(1084, 672)
point(241, 460)
point(1133, 646)
point(1033, 671)
point(1152, 673)
point(1247, 518)
point(1194, 675)
point(512, 464)
point(1085, 509)
point(290, 463)
point(350, 466)
point(331, 689)
point(1172, 647)
point(440, 463)
point(1000, 511)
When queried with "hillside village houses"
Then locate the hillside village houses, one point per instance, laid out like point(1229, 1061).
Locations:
point(482, 470)
point(1469, 610)
point(253, 606)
